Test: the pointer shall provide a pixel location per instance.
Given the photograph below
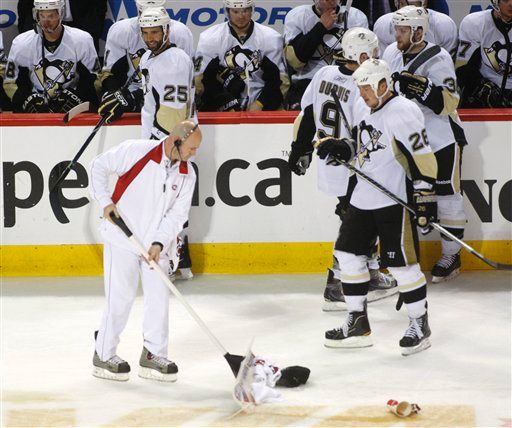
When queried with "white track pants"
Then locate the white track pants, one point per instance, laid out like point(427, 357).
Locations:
point(122, 269)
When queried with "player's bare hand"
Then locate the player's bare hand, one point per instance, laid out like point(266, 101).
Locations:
point(109, 209)
point(154, 253)
point(255, 106)
point(329, 18)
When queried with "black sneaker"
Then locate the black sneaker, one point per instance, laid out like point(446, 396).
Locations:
point(355, 333)
point(446, 268)
point(416, 337)
point(333, 294)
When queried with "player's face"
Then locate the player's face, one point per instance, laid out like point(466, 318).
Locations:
point(49, 20)
point(417, 3)
point(240, 18)
point(368, 95)
point(326, 5)
point(153, 37)
point(505, 7)
point(403, 37)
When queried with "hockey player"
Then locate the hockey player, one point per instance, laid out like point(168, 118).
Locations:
point(391, 148)
point(320, 118)
point(312, 35)
point(144, 168)
point(425, 74)
point(240, 64)
point(123, 50)
point(484, 59)
point(52, 69)
point(442, 31)
point(5, 103)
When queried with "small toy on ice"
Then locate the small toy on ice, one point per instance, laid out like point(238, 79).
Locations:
point(403, 409)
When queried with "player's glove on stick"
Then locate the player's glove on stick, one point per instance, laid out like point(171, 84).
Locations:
point(336, 150)
point(35, 103)
point(300, 158)
point(231, 81)
point(488, 94)
point(425, 205)
point(64, 101)
point(114, 104)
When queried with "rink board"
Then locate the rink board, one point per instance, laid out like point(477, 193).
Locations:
point(250, 214)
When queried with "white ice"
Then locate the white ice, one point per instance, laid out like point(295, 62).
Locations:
point(464, 379)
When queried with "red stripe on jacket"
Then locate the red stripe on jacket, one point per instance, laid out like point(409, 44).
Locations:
point(155, 154)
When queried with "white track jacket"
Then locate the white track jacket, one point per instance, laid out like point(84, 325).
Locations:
point(152, 196)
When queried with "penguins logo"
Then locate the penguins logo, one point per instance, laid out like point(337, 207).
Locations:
point(244, 61)
point(331, 44)
point(135, 60)
point(369, 138)
point(53, 75)
point(497, 55)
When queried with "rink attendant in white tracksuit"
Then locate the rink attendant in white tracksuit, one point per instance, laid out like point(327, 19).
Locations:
point(153, 195)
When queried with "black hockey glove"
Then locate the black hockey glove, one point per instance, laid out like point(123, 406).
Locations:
point(64, 101)
point(336, 150)
point(300, 158)
point(226, 102)
point(425, 205)
point(488, 95)
point(413, 85)
point(34, 103)
point(114, 104)
point(231, 81)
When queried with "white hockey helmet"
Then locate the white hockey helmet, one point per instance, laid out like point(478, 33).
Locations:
point(495, 5)
point(359, 40)
point(40, 5)
point(423, 3)
point(144, 4)
point(372, 72)
point(156, 17)
point(238, 4)
point(411, 16)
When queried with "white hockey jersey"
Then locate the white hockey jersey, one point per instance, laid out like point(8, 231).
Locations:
point(478, 31)
point(124, 43)
point(3, 57)
point(390, 136)
point(54, 70)
point(169, 94)
point(441, 128)
point(246, 58)
point(152, 195)
point(442, 31)
point(332, 180)
point(301, 19)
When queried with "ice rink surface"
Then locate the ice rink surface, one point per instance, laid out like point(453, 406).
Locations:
point(464, 379)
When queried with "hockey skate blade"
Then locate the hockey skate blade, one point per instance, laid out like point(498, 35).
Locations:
point(375, 295)
point(425, 344)
point(438, 279)
point(330, 306)
point(350, 342)
point(147, 373)
point(105, 374)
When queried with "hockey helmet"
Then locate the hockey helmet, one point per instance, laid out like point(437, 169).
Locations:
point(371, 72)
point(144, 4)
point(411, 16)
point(40, 5)
point(423, 3)
point(156, 17)
point(238, 4)
point(495, 5)
point(359, 40)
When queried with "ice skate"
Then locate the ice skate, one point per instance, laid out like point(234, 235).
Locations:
point(446, 268)
point(157, 368)
point(333, 294)
point(355, 333)
point(114, 368)
point(382, 285)
point(416, 337)
point(185, 273)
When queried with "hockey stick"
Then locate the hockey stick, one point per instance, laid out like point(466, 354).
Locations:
point(438, 227)
point(80, 108)
point(233, 360)
point(345, 28)
point(55, 183)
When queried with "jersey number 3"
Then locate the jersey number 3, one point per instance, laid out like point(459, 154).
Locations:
point(172, 92)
